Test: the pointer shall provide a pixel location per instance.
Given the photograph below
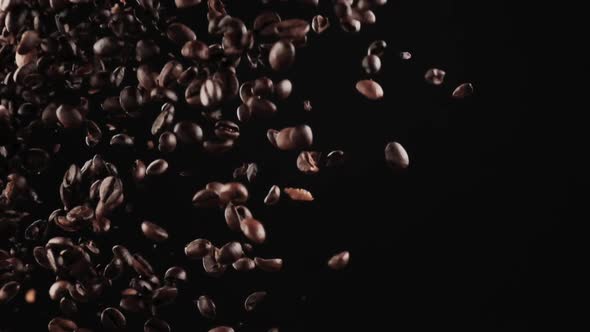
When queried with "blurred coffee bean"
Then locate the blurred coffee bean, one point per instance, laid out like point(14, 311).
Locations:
point(396, 156)
point(339, 261)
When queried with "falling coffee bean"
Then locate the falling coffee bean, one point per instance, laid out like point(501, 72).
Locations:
point(8, 291)
point(299, 194)
point(320, 23)
point(59, 324)
point(113, 319)
point(273, 196)
point(253, 300)
point(244, 264)
point(370, 89)
point(282, 55)
point(463, 91)
point(153, 231)
point(371, 64)
point(377, 48)
point(308, 162)
point(396, 156)
point(339, 261)
point(435, 76)
point(157, 167)
point(198, 248)
point(206, 307)
point(155, 324)
point(253, 230)
point(269, 265)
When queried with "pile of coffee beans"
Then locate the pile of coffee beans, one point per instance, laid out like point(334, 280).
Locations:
point(135, 80)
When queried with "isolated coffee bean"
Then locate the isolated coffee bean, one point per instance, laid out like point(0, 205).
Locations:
point(8, 291)
point(273, 195)
point(320, 23)
point(282, 55)
point(299, 194)
point(371, 64)
point(113, 319)
point(198, 248)
point(435, 76)
point(157, 167)
point(334, 158)
point(339, 261)
point(206, 307)
point(253, 300)
point(283, 89)
point(59, 324)
point(244, 264)
point(463, 91)
point(308, 162)
point(180, 33)
point(155, 324)
point(153, 231)
point(253, 230)
point(405, 55)
point(370, 89)
point(269, 265)
point(396, 156)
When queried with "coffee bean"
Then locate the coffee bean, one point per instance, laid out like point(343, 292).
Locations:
point(58, 290)
point(188, 133)
point(180, 33)
point(212, 267)
point(282, 55)
point(93, 133)
point(146, 50)
point(186, 4)
point(396, 156)
point(339, 261)
point(195, 50)
point(283, 89)
point(8, 291)
point(244, 264)
point(235, 214)
point(68, 307)
point(299, 194)
point(222, 329)
point(206, 307)
point(123, 254)
point(164, 296)
point(320, 23)
point(146, 77)
point(155, 324)
point(370, 89)
point(59, 324)
point(342, 8)
point(167, 142)
point(69, 116)
point(229, 253)
point(292, 28)
point(405, 55)
point(263, 87)
point(28, 42)
point(211, 93)
point(463, 91)
point(273, 196)
point(252, 172)
point(169, 73)
point(308, 162)
point(269, 265)
point(335, 158)
point(227, 130)
point(113, 319)
point(218, 146)
point(291, 138)
point(253, 300)
point(153, 231)
point(371, 64)
point(107, 46)
point(157, 167)
point(253, 230)
point(265, 23)
point(364, 16)
point(206, 198)
point(121, 140)
point(243, 113)
point(435, 76)
point(197, 248)
point(175, 274)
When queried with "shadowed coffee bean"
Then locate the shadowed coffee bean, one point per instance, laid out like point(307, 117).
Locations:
point(334, 158)
point(273, 196)
point(253, 300)
point(68, 307)
point(195, 50)
point(153, 231)
point(396, 156)
point(435, 76)
point(244, 264)
point(206, 199)
point(8, 291)
point(227, 130)
point(164, 296)
point(69, 116)
point(377, 48)
point(206, 307)
point(269, 265)
point(198, 248)
point(320, 23)
point(155, 324)
point(462, 91)
point(188, 133)
point(370, 89)
point(339, 261)
point(180, 33)
point(371, 64)
point(283, 89)
point(157, 167)
point(59, 324)
point(59, 289)
point(175, 274)
point(167, 142)
point(405, 55)
point(308, 162)
point(282, 55)
point(222, 329)
point(229, 253)
point(113, 319)
point(253, 230)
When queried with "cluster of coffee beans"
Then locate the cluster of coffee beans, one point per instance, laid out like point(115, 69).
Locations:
point(133, 78)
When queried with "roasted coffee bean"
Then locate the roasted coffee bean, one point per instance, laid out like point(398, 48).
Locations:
point(252, 172)
point(269, 265)
point(8, 291)
point(263, 87)
point(175, 274)
point(253, 300)
point(195, 50)
point(334, 158)
point(371, 64)
point(132, 303)
point(68, 307)
point(155, 324)
point(405, 55)
point(342, 8)
point(198, 248)
point(113, 269)
point(435, 76)
point(206, 198)
point(121, 140)
point(113, 319)
point(291, 138)
point(59, 324)
point(212, 267)
point(377, 48)
point(350, 24)
point(164, 296)
point(123, 254)
point(229, 253)
point(265, 23)
point(222, 329)
point(59, 289)
point(180, 33)
point(130, 98)
point(282, 55)
point(206, 307)
point(320, 23)
point(188, 133)
point(138, 170)
point(93, 133)
point(169, 73)
point(69, 116)
point(142, 266)
point(261, 107)
point(283, 89)
point(107, 46)
point(463, 91)
point(153, 231)
point(244, 264)
point(292, 28)
point(211, 93)
point(234, 192)
point(227, 130)
point(235, 214)
point(308, 162)
point(370, 89)
point(339, 261)
point(253, 230)
point(273, 196)
point(396, 156)
point(167, 142)
point(157, 167)
point(218, 146)
point(35, 230)
point(146, 77)
point(243, 113)
point(186, 4)
point(299, 194)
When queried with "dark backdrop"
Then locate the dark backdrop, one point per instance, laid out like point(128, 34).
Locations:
point(449, 243)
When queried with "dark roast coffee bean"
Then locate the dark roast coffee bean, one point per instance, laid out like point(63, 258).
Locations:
point(364, 16)
point(186, 4)
point(69, 116)
point(153, 231)
point(59, 324)
point(113, 319)
point(244, 264)
point(462, 91)
point(291, 138)
point(58, 290)
point(227, 130)
point(123, 254)
point(146, 50)
point(28, 42)
point(371, 64)
point(146, 77)
point(169, 73)
point(339, 261)
point(164, 296)
point(155, 324)
point(218, 146)
point(107, 46)
point(342, 8)
point(222, 329)
point(113, 269)
point(206, 307)
point(197, 248)
point(180, 33)
point(206, 198)
point(195, 50)
point(269, 265)
point(261, 107)
point(121, 140)
point(396, 156)
point(211, 93)
point(283, 89)
point(435, 76)
point(232, 217)
point(335, 158)
point(252, 172)
point(253, 300)
point(282, 55)
point(157, 167)
point(130, 98)
point(349, 24)
point(292, 28)
point(265, 23)
point(370, 89)
point(273, 196)
point(212, 267)
point(188, 133)
point(175, 274)
point(230, 252)
point(405, 55)
point(263, 87)
point(246, 91)
point(253, 230)
point(93, 133)
point(68, 307)
point(167, 142)
point(308, 162)
point(8, 291)
point(320, 23)
point(138, 170)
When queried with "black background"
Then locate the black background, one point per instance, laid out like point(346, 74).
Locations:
point(449, 243)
